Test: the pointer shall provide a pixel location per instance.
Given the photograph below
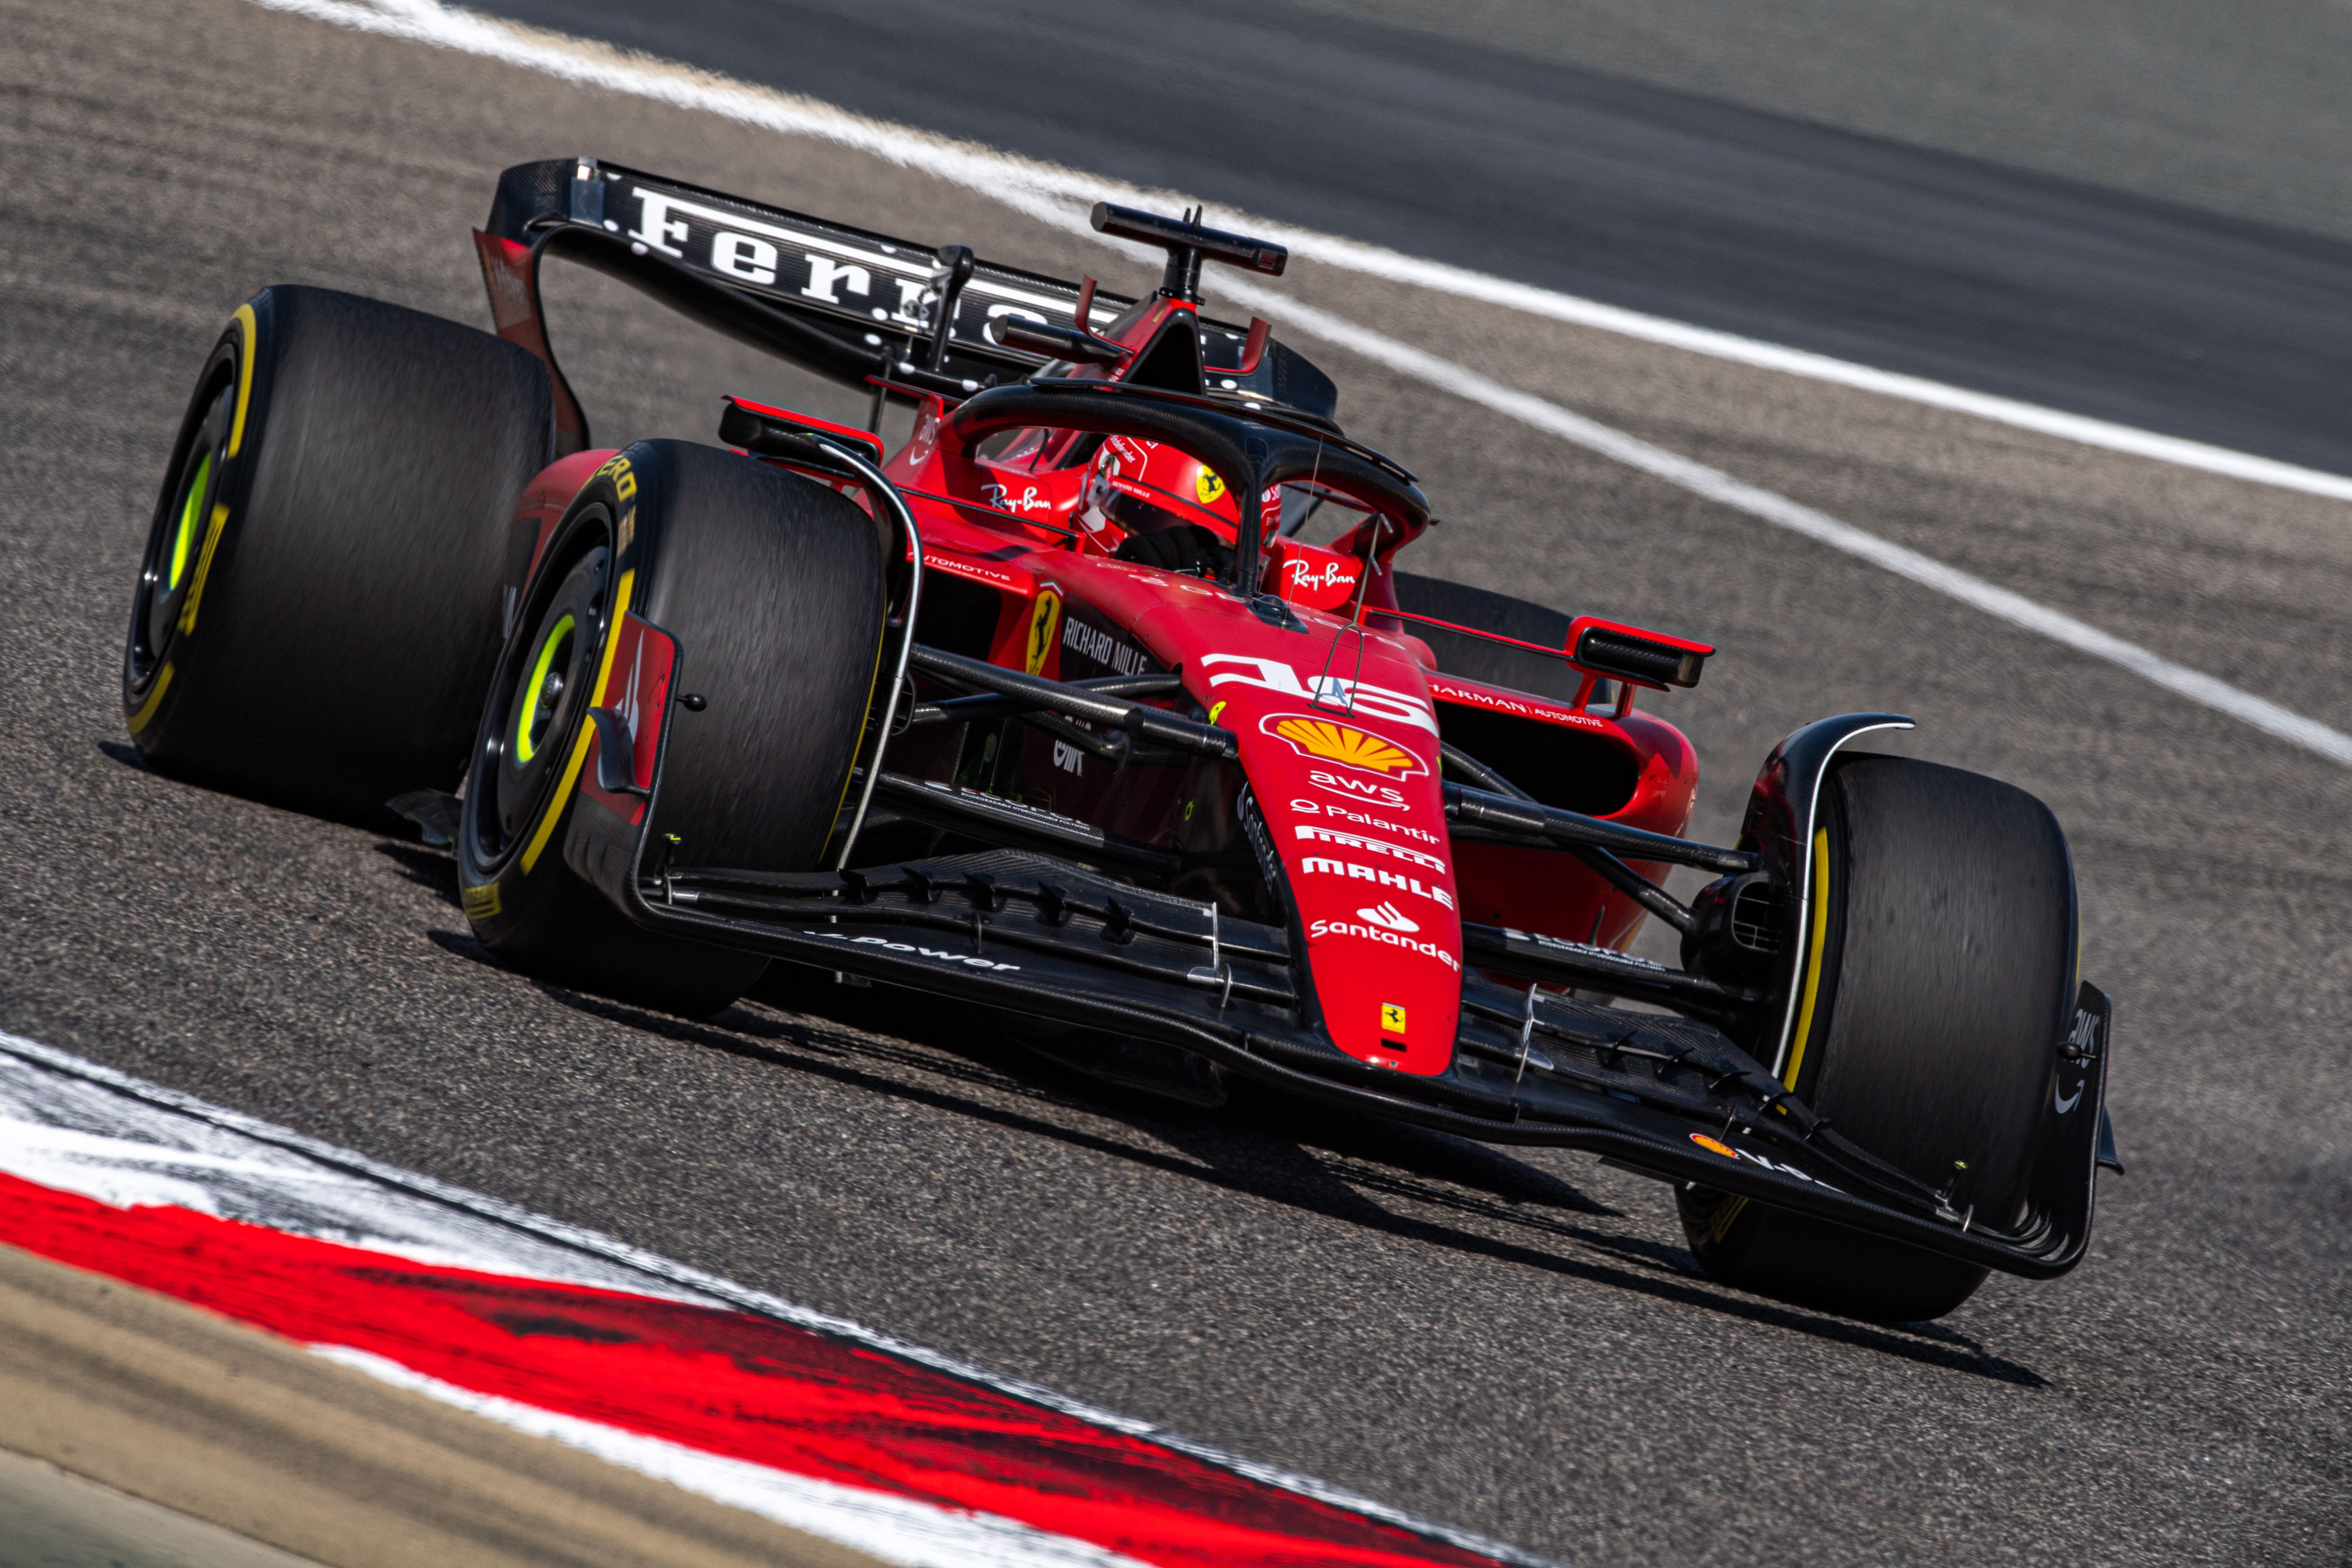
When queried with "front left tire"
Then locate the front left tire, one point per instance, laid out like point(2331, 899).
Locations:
point(774, 588)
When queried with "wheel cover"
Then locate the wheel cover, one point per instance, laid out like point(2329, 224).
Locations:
point(178, 545)
point(543, 694)
point(549, 696)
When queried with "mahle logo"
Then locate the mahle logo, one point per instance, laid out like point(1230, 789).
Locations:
point(1326, 740)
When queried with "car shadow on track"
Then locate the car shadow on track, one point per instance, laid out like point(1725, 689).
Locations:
point(1263, 1145)
point(429, 869)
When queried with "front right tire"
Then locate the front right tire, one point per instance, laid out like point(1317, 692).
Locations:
point(1938, 980)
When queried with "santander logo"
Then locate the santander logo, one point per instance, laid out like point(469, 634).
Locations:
point(1365, 928)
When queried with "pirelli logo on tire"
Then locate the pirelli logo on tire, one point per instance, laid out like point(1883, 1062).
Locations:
point(624, 478)
point(482, 902)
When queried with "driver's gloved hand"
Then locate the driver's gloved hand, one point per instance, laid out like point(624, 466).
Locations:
point(1187, 547)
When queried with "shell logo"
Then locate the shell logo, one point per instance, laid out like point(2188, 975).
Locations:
point(1325, 740)
point(1208, 487)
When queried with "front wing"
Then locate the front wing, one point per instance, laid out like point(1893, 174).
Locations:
point(1665, 1096)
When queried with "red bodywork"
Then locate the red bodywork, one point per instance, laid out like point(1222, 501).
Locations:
point(1338, 716)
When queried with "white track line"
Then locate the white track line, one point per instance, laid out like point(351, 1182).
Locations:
point(1058, 196)
point(1000, 175)
point(1568, 308)
point(1782, 512)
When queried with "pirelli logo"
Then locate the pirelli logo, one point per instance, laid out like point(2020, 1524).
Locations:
point(1312, 834)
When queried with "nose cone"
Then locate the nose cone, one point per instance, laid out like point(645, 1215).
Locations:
point(1345, 777)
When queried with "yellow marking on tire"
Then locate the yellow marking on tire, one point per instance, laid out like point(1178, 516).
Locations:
point(252, 334)
point(482, 902)
point(204, 568)
point(1820, 934)
point(587, 731)
point(138, 721)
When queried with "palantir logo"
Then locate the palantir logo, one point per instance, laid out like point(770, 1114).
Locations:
point(1388, 917)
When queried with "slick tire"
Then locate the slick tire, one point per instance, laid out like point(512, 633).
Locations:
point(773, 586)
point(319, 604)
point(1938, 977)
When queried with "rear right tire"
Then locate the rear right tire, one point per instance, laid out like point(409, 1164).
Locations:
point(319, 604)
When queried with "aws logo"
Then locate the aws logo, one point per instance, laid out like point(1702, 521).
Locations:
point(1327, 740)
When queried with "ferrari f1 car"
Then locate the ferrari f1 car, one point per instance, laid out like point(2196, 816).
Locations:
point(1101, 701)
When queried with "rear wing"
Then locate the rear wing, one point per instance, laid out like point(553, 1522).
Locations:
point(862, 309)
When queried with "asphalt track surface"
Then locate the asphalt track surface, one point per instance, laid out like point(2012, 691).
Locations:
point(2127, 307)
point(1515, 1343)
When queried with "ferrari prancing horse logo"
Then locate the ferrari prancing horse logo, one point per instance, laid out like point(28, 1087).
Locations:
point(1045, 619)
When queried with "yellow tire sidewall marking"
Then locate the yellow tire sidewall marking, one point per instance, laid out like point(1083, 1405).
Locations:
point(204, 568)
point(251, 332)
point(1817, 940)
point(138, 721)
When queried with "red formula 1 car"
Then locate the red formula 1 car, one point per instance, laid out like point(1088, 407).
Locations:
point(1101, 701)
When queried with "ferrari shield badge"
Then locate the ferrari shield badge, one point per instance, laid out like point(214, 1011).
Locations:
point(1045, 619)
